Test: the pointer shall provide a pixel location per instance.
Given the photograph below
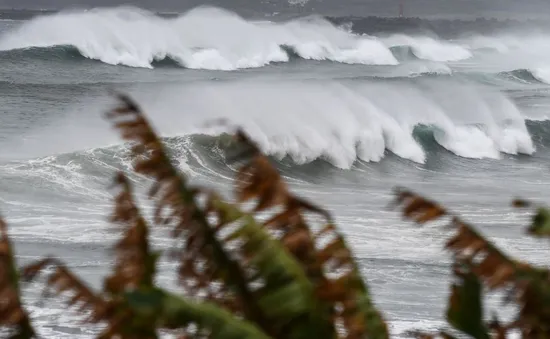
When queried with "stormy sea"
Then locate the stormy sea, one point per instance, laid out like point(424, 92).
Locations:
point(347, 107)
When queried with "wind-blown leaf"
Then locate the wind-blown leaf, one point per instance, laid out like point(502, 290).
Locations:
point(135, 268)
point(135, 265)
point(285, 294)
point(12, 313)
point(424, 335)
point(348, 295)
point(176, 204)
point(174, 312)
point(465, 311)
point(418, 208)
point(349, 292)
point(541, 223)
point(63, 280)
point(526, 285)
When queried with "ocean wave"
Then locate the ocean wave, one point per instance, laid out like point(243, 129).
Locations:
point(542, 74)
point(63, 53)
point(342, 122)
point(339, 122)
point(520, 75)
point(215, 151)
point(209, 155)
point(429, 48)
point(137, 38)
point(530, 76)
point(216, 39)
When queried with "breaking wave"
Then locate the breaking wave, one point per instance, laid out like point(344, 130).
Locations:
point(203, 38)
point(137, 38)
point(210, 155)
point(214, 151)
point(537, 75)
point(339, 122)
point(342, 122)
point(216, 39)
point(429, 48)
point(542, 75)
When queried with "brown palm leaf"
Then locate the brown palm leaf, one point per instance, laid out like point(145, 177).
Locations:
point(135, 265)
point(528, 286)
point(12, 313)
point(204, 261)
point(258, 179)
point(427, 335)
point(63, 280)
point(344, 287)
point(418, 208)
point(111, 311)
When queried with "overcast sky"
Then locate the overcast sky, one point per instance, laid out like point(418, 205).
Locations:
point(444, 8)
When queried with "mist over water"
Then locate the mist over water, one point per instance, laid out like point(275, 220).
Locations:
point(343, 114)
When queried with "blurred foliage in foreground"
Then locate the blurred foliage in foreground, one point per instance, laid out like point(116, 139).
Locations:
point(289, 276)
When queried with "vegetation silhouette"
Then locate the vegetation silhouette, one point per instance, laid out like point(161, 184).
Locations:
point(270, 265)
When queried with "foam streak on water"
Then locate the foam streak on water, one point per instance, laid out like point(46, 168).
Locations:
point(344, 116)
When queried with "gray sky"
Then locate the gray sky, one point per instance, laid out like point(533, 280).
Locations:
point(430, 8)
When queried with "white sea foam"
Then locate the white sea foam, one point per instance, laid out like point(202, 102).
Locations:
point(339, 121)
point(542, 74)
point(216, 39)
point(511, 51)
point(343, 122)
point(203, 38)
point(430, 48)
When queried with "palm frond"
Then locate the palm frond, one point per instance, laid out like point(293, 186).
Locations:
point(540, 222)
point(196, 320)
point(136, 262)
point(203, 258)
point(258, 179)
point(348, 291)
point(347, 295)
point(426, 335)
point(63, 280)
point(465, 310)
point(121, 321)
point(284, 292)
point(418, 208)
point(12, 313)
point(526, 285)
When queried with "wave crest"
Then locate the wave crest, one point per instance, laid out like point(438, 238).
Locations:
point(216, 39)
point(542, 75)
point(529, 76)
point(343, 122)
point(203, 38)
point(310, 120)
point(428, 48)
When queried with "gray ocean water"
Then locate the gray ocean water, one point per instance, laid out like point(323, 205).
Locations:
point(345, 115)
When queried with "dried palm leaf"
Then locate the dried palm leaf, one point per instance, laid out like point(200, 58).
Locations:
point(12, 313)
point(284, 292)
point(204, 261)
point(135, 265)
point(259, 180)
point(63, 280)
point(528, 286)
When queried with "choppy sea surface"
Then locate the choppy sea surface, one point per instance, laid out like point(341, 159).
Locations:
point(346, 110)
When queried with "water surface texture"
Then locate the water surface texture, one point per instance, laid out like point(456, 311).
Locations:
point(347, 107)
